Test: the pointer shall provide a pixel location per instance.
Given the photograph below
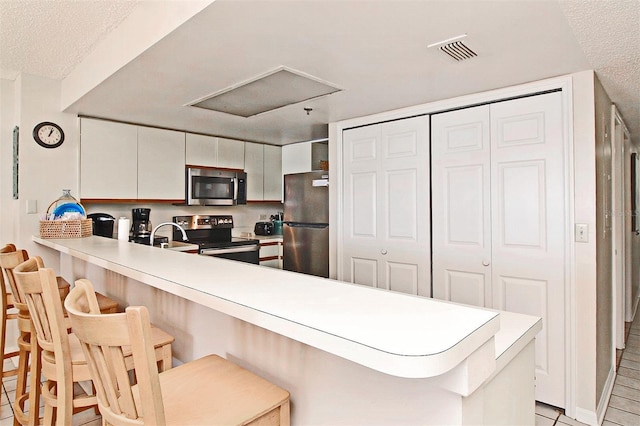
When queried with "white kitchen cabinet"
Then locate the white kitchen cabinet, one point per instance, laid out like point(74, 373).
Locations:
point(230, 154)
point(108, 160)
point(201, 150)
point(160, 164)
point(303, 157)
point(272, 172)
point(498, 206)
point(386, 238)
point(254, 167)
point(263, 164)
point(271, 253)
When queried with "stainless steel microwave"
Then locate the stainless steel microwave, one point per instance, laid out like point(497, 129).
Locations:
point(206, 186)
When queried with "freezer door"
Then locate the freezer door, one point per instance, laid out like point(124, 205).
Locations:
point(306, 197)
point(306, 249)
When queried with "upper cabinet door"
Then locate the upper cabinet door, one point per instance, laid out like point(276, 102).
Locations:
point(201, 150)
point(254, 166)
point(272, 173)
point(161, 162)
point(108, 160)
point(230, 154)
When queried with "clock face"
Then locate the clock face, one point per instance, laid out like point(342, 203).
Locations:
point(48, 135)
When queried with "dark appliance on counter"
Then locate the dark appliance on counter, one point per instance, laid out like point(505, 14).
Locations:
point(213, 236)
point(306, 223)
point(102, 224)
point(141, 228)
point(263, 228)
point(207, 186)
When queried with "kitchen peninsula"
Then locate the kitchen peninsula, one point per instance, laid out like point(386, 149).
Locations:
point(348, 354)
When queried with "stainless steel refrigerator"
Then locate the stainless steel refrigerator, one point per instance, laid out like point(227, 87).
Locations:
point(306, 223)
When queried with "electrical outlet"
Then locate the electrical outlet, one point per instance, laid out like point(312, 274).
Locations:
point(263, 216)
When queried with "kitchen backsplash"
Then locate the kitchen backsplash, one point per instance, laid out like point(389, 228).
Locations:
point(244, 216)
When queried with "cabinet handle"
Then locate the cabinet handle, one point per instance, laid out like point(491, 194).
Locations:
point(485, 263)
point(383, 252)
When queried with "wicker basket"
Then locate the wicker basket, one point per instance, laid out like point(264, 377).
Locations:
point(76, 228)
point(66, 228)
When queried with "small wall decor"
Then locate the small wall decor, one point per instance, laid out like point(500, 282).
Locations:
point(635, 196)
point(16, 142)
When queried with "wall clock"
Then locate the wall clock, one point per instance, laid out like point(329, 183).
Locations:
point(48, 135)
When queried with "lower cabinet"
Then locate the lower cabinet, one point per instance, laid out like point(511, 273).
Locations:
point(271, 253)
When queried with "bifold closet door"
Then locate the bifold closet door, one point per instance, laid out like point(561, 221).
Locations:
point(498, 206)
point(461, 195)
point(386, 238)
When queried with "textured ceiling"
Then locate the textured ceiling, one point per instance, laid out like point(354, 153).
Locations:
point(608, 31)
point(50, 38)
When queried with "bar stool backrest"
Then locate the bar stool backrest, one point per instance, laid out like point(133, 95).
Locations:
point(103, 337)
point(39, 287)
point(9, 259)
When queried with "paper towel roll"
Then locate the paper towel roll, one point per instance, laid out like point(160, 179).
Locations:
point(123, 228)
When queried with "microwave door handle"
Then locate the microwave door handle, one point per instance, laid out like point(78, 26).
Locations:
point(235, 188)
point(211, 252)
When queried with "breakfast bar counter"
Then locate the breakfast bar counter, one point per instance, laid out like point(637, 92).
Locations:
point(348, 354)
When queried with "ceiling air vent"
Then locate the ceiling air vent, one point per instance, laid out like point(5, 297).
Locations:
point(455, 48)
point(272, 90)
point(458, 51)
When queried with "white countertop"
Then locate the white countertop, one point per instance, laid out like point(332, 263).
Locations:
point(397, 334)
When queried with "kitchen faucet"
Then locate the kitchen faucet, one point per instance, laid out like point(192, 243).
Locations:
point(184, 233)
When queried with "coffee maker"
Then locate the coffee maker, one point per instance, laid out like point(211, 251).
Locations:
point(140, 226)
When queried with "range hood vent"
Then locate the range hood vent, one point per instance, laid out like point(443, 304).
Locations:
point(458, 51)
point(267, 92)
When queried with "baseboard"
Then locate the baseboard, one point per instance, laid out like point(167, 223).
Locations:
point(587, 417)
point(606, 395)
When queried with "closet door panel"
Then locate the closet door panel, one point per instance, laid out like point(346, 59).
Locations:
point(528, 207)
point(461, 215)
point(386, 206)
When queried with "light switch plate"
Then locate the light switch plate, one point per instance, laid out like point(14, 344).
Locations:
point(582, 233)
point(32, 206)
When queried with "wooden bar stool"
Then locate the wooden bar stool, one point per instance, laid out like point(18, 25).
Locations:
point(28, 370)
point(63, 362)
point(28, 387)
point(7, 306)
point(210, 390)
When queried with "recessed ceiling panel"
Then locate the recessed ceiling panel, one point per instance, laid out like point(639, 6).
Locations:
point(267, 92)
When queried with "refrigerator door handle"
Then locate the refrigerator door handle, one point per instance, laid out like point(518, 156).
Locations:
point(306, 225)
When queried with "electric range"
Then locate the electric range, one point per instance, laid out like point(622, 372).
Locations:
point(212, 233)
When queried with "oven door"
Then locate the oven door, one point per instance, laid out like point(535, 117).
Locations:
point(249, 253)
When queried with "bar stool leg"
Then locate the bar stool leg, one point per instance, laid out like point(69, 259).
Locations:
point(21, 383)
point(35, 386)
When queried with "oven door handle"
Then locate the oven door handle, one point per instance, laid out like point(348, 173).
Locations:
point(242, 249)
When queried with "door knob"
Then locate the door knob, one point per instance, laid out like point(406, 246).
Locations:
point(383, 251)
point(485, 263)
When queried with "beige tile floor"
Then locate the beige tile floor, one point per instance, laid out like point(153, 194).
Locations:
point(85, 418)
point(624, 406)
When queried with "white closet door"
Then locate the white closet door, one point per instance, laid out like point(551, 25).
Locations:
point(528, 233)
point(386, 212)
point(460, 150)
